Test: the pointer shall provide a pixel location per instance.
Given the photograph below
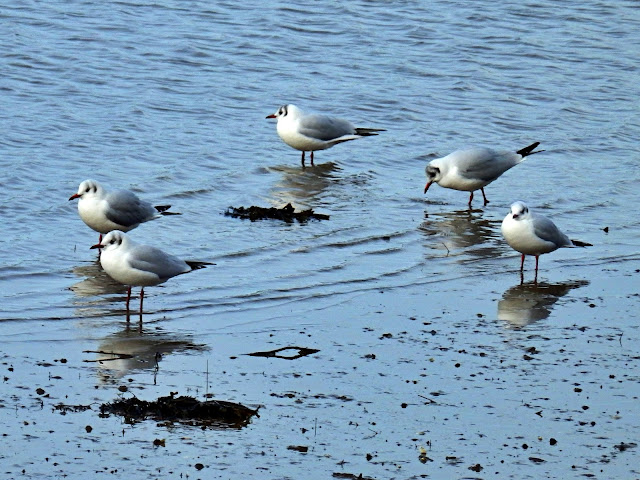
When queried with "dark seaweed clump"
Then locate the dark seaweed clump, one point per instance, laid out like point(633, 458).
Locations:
point(286, 213)
point(185, 410)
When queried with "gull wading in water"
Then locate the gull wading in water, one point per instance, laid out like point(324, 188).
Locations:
point(121, 210)
point(474, 168)
point(137, 265)
point(310, 132)
point(533, 234)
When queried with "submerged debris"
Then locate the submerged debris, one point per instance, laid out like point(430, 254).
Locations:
point(64, 409)
point(286, 213)
point(185, 410)
point(300, 352)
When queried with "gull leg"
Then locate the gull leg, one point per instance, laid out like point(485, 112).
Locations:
point(535, 280)
point(522, 263)
point(470, 199)
point(141, 300)
point(312, 159)
point(484, 196)
point(128, 299)
point(302, 159)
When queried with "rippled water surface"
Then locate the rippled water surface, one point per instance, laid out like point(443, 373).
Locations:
point(434, 361)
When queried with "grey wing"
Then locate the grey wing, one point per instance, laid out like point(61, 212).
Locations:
point(547, 230)
point(125, 208)
point(153, 260)
point(485, 164)
point(322, 127)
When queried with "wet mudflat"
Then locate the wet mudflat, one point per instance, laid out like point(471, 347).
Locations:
point(501, 385)
point(394, 340)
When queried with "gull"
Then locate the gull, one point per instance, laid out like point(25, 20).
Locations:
point(139, 265)
point(121, 210)
point(533, 234)
point(474, 168)
point(310, 132)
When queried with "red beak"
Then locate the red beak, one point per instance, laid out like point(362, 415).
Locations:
point(97, 245)
point(426, 187)
point(74, 196)
point(273, 115)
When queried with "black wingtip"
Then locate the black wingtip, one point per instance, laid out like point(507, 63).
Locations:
point(197, 265)
point(578, 243)
point(529, 150)
point(369, 132)
point(162, 210)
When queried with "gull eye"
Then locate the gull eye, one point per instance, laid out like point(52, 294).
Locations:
point(88, 189)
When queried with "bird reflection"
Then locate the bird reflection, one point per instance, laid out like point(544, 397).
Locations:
point(89, 291)
point(529, 302)
point(303, 187)
point(461, 229)
point(132, 349)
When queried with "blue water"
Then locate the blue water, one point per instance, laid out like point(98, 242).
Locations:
point(169, 99)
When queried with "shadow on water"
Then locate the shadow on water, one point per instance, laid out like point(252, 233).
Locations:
point(95, 290)
point(134, 349)
point(529, 302)
point(302, 187)
point(461, 229)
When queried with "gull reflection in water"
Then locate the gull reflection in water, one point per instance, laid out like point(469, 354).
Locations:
point(90, 291)
point(461, 229)
point(530, 302)
point(302, 187)
point(132, 350)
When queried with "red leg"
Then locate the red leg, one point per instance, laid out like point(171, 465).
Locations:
point(522, 263)
point(141, 299)
point(128, 299)
point(302, 159)
point(484, 196)
point(312, 158)
point(535, 280)
point(470, 198)
point(99, 250)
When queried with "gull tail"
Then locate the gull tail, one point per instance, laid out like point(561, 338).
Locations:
point(197, 265)
point(526, 151)
point(578, 243)
point(368, 132)
point(162, 210)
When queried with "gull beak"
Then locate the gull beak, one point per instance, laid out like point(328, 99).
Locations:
point(97, 245)
point(426, 187)
point(273, 115)
point(74, 196)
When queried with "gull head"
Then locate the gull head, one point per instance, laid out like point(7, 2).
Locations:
point(519, 210)
point(284, 111)
point(433, 175)
point(88, 188)
point(113, 240)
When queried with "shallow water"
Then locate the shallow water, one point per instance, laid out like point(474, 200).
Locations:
point(427, 339)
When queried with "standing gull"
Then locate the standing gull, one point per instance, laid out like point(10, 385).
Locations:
point(139, 265)
point(117, 210)
point(533, 234)
point(310, 132)
point(474, 168)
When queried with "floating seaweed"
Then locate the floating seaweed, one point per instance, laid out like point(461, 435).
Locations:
point(286, 213)
point(184, 410)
